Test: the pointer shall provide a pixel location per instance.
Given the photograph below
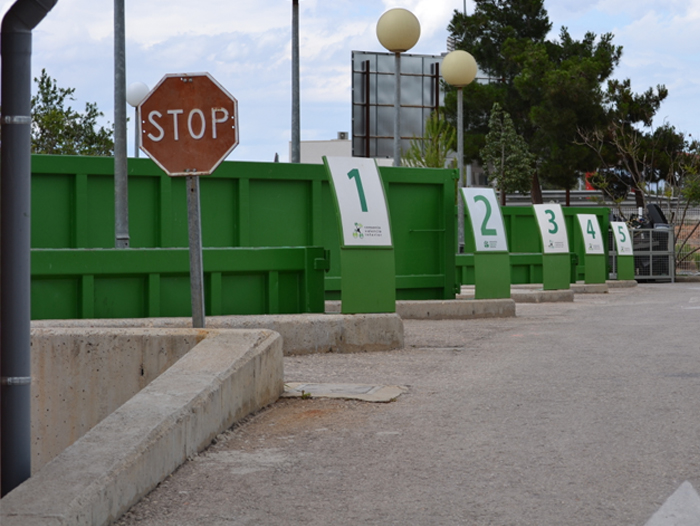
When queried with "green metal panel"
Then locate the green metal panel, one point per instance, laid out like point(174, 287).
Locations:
point(111, 283)
point(556, 271)
point(364, 284)
point(625, 267)
point(492, 275)
point(596, 270)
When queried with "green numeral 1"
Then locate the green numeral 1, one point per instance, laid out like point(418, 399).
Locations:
point(485, 231)
point(355, 174)
point(590, 229)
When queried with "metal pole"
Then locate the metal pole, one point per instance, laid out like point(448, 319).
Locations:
point(15, 211)
point(296, 141)
point(121, 190)
point(137, 131)
point(397, 109)
point(460, 165)
point(196, 267)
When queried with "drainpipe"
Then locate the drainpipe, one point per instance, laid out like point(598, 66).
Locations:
point(15, 198)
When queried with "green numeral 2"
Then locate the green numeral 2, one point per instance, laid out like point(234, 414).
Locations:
point(485, 231)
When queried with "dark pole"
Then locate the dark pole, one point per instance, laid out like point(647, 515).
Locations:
point(15, 199)
point(296, 124)
point(121, 188)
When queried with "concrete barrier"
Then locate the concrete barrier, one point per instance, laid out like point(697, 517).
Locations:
point(228, 375)
point(81, 375)
point(446, 309)
point(301, 333)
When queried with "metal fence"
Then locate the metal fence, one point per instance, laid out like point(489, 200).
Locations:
point(686, 236)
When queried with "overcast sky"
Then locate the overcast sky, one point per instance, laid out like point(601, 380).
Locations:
point(245, 45)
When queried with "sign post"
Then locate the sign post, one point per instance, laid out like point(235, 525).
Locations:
point(491, 257)
point(189, 125)
point(556, 260)
point(367, 268)
point(594, 260)
point(625, 250)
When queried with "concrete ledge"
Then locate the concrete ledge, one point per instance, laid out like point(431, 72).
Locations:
point(457, 309)
point(301, 333)
point(529, 293)
point(542, 296)
point(589, 288)
point(621, 283)
point(93, 482)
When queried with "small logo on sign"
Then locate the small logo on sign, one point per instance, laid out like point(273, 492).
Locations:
point(357, 233)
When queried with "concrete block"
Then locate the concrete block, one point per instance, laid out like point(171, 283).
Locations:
point(93, 482)
point(301, 333)
point(460, 309)
point(589, 288)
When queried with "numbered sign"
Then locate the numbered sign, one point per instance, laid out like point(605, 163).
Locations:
point(487, 219)
point(550, 218)
point(592, 235)
point(359, 192)
point(623, 239)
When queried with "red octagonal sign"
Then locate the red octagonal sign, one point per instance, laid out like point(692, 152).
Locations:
point(189, 124)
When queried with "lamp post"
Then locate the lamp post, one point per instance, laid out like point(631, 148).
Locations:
point(398, 30)
point(459, 69)
point(296, 134)
point(135, 93)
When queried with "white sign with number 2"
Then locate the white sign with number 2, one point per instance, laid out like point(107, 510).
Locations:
point(486, 219)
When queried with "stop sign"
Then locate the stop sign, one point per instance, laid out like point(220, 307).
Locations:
point(189, 124)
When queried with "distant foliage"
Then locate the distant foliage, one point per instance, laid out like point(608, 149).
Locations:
point(433, 150)
point(60, 130)
point(506, 157)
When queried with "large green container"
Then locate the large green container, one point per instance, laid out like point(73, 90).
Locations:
point(525, 243)
point(247, 204)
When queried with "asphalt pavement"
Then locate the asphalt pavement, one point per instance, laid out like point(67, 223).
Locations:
point(583, 413)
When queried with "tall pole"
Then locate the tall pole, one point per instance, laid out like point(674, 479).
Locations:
point(460, 165)
point(397, 109)
point(121, 190)
point(15, 241)
point(296, 141)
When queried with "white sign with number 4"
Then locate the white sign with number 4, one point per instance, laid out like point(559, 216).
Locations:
point(592, 236)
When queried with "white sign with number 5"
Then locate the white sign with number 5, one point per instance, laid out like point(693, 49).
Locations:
point(623, 239)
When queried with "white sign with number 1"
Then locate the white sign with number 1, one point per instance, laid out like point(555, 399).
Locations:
point(363, 211)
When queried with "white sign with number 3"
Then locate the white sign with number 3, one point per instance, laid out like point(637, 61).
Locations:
point(550, 217)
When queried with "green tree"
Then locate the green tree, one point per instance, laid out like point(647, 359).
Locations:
point(60, 130)
point(505, 156)
point(433, 150)
point(552, 88)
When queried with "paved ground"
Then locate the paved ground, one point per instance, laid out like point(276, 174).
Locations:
point(584, 413)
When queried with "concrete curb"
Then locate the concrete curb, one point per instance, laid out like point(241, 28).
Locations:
point(527, 294)
point(225, 377)
point(589, 288)
point(301, 333)
point(621, 283)
point(456, 309)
